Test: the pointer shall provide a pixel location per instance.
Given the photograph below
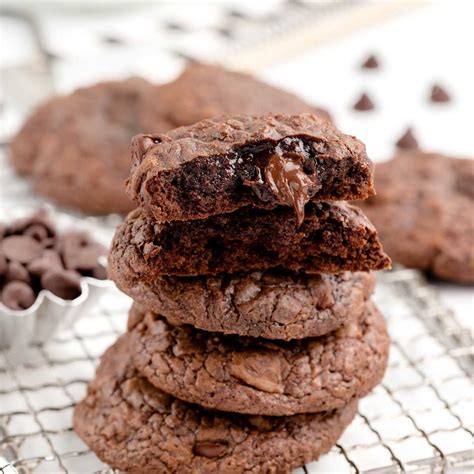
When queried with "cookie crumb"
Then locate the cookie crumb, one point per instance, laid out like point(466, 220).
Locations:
point(407, 140)
point(370, 63)
point(364, 103)
point(438, 94)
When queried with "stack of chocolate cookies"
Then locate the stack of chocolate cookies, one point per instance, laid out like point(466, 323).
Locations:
point(252, 333)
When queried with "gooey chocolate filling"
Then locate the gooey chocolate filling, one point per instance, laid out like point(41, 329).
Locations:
point(285, 172)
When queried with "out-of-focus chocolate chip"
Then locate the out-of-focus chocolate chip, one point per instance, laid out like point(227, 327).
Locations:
point(37, 231)
point(3, 264)
point(407, 140)
point(17, 272)
point(211, 449)
point(63, 283)
point(21, 248)
point(99, 272)
point(173, 26)
point(49, 260)
point(83, 259)
point(438, 94)
point(18, 295)
point(112, 40)
point(364, 103)
point(370, 63)
point(40, 217)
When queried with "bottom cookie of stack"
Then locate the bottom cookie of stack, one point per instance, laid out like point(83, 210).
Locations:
point(136, 427)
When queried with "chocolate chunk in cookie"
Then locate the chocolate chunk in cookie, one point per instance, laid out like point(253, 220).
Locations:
point(219, 166)
point(334, 237)
point(257, 376)
point(135, 427)
point(423, 212)
point(271, 304)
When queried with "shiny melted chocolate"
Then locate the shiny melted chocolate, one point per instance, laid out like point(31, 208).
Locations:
point(284, 174)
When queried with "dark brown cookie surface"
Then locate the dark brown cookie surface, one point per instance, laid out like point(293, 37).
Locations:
point(334, 237)
point(209, 91)
point(76, 148)
point(273, 305)
point(258, 376)
point(137, 428)
point(220, 165)
point(423, 213)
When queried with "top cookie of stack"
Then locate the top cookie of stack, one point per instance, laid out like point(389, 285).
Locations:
point(246, 206)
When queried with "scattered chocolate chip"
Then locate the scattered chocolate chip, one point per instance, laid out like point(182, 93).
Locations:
point(179, 54)
point(172, 26)
point(226, 32)
point(17, 272)
point(21, 248)
point(49, 260)
point(51, 56)
point(210, 449)
point(63, 283)
point(370, 63)
point(364, 103)
point(407, 140)
point(112, 40)
point(18, 295)
point(438, 94)
point(236, 14)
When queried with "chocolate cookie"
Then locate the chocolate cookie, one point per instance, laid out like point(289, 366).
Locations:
point(271, 304)
point(221, 165)
point(258, 376)
point(135, 427)
point(205, 91)
point(76, 148)
point(334, 237)
point(423, 212)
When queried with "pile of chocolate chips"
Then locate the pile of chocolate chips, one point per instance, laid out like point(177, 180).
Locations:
point(33, 257)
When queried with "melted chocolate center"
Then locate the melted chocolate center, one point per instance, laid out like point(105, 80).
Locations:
point(282, 175)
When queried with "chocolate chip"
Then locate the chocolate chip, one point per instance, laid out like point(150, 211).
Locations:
point(63, 283)
point(21, 248)
point(438, 94)
point(364, 103)
point(49, 260)
point(172, 26)
point(370, 63)
point(407, 140)
point(37, 231)
point(17, 295)
point(40, 217)
point(3, 264)
point(112, 40)
point(17, 272)
point(225, 32)
point(211, 449)
point(99, 272)
point(82, 258)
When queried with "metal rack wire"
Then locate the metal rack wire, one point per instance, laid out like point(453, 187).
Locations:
point(418, 420)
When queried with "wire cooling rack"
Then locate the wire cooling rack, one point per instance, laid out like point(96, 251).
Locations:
point(420, 419)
